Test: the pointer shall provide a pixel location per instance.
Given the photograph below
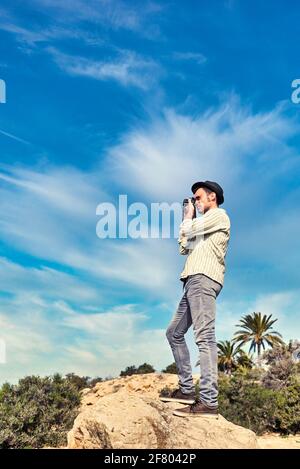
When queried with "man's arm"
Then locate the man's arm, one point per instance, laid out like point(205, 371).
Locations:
point(182, 241)
point(185, 245)
point(210, 222)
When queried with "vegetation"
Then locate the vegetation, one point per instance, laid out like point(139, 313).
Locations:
point(265, 396)
point(132, 370)
point(37, 412)
point(257, 329)
point(227, 356)
point(249, 399)
point(170, 369)
point(231, 357)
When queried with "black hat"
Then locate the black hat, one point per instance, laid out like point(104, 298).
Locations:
point(213, 186)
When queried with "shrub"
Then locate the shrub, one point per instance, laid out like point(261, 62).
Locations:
point(79, 382)
point(129, 371)
point(132, 370)
point(287, 414)
point(37, 412)
point(280, 374)
point(171, 369)
point(94, 381)
point(245, 401)
point(145, 368)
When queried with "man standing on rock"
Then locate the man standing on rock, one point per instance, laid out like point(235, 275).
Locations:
point(204, 240)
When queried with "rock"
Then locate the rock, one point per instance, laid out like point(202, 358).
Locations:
point(126, 413)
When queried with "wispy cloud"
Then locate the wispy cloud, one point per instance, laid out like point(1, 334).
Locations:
point(35, 36)
point(127, 68)
point(115, 14)
point(219, 142)
point(21, 281)
point(61, 202)
point(14, 137)
point(283, 305)
point(23, 34)
point(191, 56)
point(43, 337)
point(69, 20)
point(30, 39)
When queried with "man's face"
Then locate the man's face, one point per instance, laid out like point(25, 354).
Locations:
point(203, 202)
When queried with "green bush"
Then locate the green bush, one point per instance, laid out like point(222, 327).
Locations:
point(132, 370)
point(170, 369)
point(245, 401)
point(80, 382)
point(287, 414)
point(37, 412)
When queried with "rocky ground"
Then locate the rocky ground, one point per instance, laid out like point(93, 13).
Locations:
point(127, 413)
point(274, 441)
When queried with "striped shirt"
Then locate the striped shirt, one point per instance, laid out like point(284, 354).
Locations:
point(205, 240)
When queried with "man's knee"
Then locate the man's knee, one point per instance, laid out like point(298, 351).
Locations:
point(173, 335)
point(169, 333)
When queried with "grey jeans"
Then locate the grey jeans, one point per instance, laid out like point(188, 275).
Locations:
point(197, 307)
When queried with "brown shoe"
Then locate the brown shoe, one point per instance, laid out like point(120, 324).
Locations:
point(197, 409)
point(178, 396)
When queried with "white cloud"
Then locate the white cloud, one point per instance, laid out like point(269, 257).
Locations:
point(124, 66)
point(19, 280)
point(66, 189)
point(197, 57)
point(57, 222)
point(127, 68)
point(23, 34)
point(104, 342)
point(68, 19)
point(283, 305)
point(45, 337)
point(31, 38)
point(162, 159)
point(118, 338)
point(115, 14)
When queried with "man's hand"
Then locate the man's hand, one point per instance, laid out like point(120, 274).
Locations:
point(189, 211)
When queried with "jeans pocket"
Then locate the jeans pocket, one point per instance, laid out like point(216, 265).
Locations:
point(215, 286)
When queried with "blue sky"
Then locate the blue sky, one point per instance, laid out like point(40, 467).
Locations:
point(141, 98)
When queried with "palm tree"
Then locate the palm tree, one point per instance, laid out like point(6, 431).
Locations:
point(256, 329)
point(227, 355)
point(245, 360)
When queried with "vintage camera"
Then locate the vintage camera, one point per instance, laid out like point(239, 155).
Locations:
point(185, 204)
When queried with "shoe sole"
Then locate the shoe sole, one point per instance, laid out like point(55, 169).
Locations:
point(181, 401)
point(202, 414)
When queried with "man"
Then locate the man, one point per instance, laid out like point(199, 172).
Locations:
point(204, 240)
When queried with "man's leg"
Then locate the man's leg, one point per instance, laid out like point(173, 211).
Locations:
point(201, 295)
point(179, 325)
